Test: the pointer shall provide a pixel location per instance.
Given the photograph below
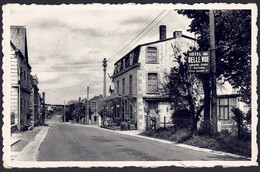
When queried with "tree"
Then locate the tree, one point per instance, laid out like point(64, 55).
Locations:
point(183, 88)
point(241, 121)
point(233, 47)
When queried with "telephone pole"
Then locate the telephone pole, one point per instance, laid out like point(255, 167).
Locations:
point(87, 108)
point(43, 107)
point(213, 72)
point(64, 112)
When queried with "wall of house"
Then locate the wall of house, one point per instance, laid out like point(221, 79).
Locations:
point(126, 75)
point(14, 88)
point(165, 56)
point(25, 87)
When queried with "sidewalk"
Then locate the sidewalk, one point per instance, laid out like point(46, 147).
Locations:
point(20, 139)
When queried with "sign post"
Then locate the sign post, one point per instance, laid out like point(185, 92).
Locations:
point(213, 72)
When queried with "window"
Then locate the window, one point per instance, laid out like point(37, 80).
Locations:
point(152, 82)
point(117, 87)
point(225, 106)
point(123, 87)
point(12, 118)
point(123, 64)
point(93, 105)
point(131, 58)
point(127, 62)
point(152, 54)
point(119, 66)
point(130, 84)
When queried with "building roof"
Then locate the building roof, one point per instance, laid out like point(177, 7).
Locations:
point(18, 38)
point(20, 53)
point(154, 42)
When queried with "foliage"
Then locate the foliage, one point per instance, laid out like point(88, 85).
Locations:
point(123, 126)
point(223, 141)
point(233, 45)
point(242, 130)
point(75, 111)
point(183, 88)
point(206, 129)
point(181, 135)
point(182, 118)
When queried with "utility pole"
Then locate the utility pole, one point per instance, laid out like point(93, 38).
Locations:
point(213, 72)
point(43, 107)
point(87, 108)
point(64, 112)
point(104, 69)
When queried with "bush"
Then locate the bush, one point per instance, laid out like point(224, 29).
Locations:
point(183, 135)
point(182, 118)
point(123, 126)
point(231, 144)
point(205, 129)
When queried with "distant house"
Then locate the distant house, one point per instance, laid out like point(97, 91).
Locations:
point(94, 106)
point(20, 79)
point(138, 78)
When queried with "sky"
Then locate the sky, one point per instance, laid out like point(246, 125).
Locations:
point(66, 44)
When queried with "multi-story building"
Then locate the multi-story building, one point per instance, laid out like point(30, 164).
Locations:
point(140, 75)
point(138, 78)
point(35, 102)
point(20, 78)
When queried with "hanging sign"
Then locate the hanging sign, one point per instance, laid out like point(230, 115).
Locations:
point(198, 62)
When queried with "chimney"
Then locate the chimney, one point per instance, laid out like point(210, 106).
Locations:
point(177, 34)
point(162, 30)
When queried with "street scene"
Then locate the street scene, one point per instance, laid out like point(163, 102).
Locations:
point(143, 83)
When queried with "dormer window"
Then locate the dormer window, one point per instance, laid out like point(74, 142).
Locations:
point(151, 55)
point(123, 66)
point(131, 56)
point(127, 62)
point(119, 66)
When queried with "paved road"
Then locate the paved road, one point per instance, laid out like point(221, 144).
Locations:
point(68, 142)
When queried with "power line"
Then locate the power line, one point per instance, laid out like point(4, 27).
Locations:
point(146, 32)
point(131, 34)
point(123, 49)
point(137, 36)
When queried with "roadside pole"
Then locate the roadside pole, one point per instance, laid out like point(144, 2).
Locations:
point(43, 105)
point(87, 108)
point(213, 71)
point(64, 112)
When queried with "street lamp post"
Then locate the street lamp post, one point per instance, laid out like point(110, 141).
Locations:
point(104, 69)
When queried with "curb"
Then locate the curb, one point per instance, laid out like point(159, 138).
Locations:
point(30, 151)
point(15, 141)
point(171, 143)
